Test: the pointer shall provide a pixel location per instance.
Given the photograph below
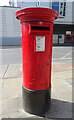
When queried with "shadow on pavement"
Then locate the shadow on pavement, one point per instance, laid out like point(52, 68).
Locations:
point(59, 109)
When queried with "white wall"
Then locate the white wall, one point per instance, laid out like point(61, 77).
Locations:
point(33, 3)
point(9, 26)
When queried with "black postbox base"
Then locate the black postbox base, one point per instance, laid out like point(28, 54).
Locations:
point(36, 102)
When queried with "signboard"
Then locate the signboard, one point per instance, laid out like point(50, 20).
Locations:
point(61, 38)
point(55, 38)
point(40, 43)
point(68, 32)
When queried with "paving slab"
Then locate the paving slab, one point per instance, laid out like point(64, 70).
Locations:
point(59, 67)
point(10, 94)
point(0, 88)
point(10, 106)
point(0, 117)
point(10, 88)
point(20, 81)
point(60, 87)
point(0, 109)
point(0, 102)
point(61, 103)
point(11, 83)
point(13, 71)
point(3, 69)
point(11, 115)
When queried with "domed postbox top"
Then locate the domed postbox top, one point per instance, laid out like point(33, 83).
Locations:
point(35, 13)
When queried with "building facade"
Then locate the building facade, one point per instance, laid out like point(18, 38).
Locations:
point(9, 27)
point(63, 28)
point(64, 25)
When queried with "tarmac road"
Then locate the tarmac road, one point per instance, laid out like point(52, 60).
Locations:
point(13, 55)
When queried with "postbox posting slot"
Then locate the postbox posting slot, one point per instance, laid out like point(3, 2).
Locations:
point(40, 28)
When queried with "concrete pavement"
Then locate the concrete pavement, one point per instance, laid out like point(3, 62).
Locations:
point(11, 92)
point(61, 106)
point(14, 55)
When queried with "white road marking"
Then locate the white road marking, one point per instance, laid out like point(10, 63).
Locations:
point(64, 57)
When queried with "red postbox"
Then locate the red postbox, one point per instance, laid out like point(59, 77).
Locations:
point(37, 31)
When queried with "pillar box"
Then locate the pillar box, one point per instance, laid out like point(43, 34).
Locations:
point(37, 30)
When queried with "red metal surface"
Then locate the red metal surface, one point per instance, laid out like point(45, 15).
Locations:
point(37, 13)
point(36, 64)
point(68, 36)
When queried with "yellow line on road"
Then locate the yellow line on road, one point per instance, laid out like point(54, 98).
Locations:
point(66, 55)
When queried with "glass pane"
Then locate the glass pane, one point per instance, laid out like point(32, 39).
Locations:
point(55, 6)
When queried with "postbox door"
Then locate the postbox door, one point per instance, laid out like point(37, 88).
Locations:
point(39, 65)
point(37, 56)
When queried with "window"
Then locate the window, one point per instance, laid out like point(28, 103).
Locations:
point(60, 7)
point(55, 6)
